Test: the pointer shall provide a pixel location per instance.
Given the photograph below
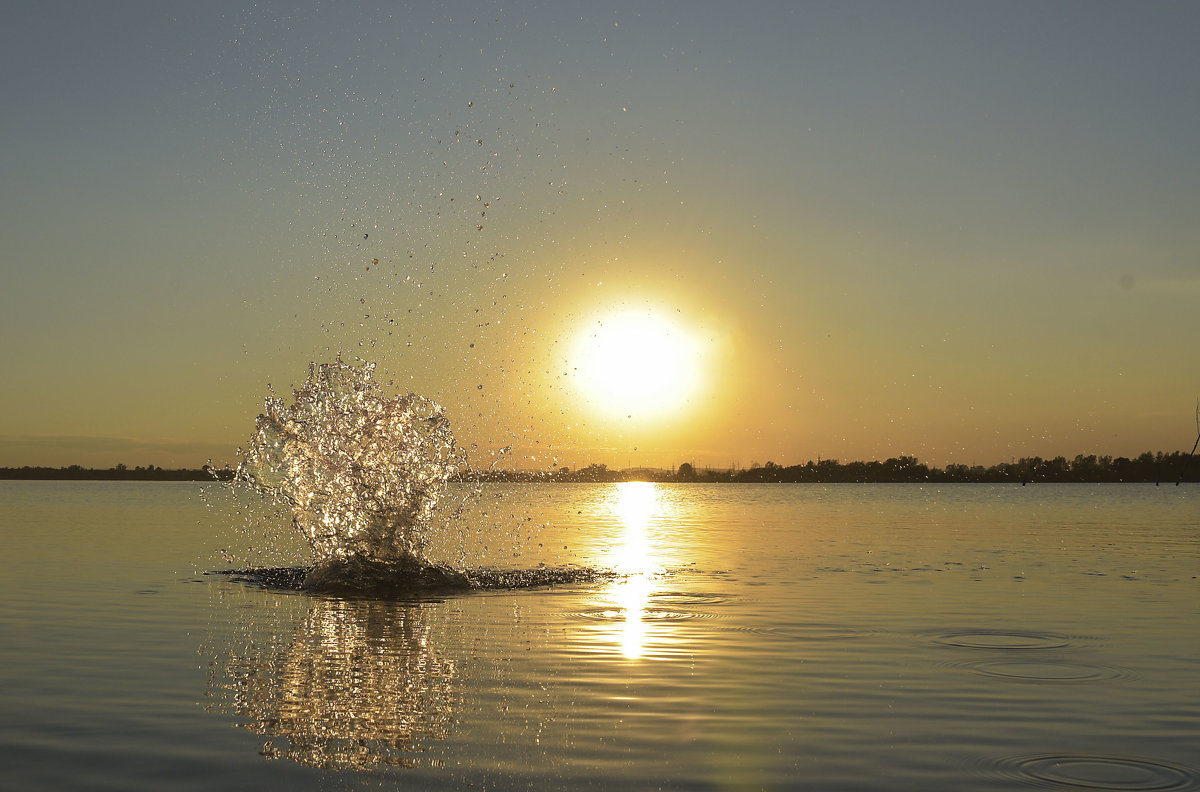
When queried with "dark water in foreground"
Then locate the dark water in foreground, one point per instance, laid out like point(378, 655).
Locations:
point(756, 637)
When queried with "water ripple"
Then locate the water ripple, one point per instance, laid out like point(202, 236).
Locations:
point(1048, 670)
point(645, 614)
point(810, 631)
point(1099, 771)
point(682, 598)
point(1001, 639)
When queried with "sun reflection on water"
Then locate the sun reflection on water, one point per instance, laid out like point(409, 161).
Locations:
point(636, 504)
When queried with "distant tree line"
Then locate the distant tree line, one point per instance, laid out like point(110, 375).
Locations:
point(1156, 467)
point(590, 474)
point(118, 473)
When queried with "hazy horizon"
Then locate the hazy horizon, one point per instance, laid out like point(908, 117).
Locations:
point(607, 233)
point(732, 465)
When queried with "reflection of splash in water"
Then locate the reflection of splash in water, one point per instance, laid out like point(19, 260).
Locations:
point(361, 684)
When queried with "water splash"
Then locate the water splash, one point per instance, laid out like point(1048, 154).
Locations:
point(362, 473)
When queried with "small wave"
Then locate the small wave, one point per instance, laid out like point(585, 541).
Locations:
point(1001, 639)
point(688, 598)
point(663, 606)
point(273, 578)
point(809, 631)
point(1099, 771)
point(1047, 671)
point(649, 614)
point(537, 577)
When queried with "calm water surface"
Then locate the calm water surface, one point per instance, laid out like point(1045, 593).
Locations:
point(758, 637)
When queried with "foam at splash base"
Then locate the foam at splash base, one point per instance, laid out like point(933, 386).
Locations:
point(362, 474)
point(398, 582)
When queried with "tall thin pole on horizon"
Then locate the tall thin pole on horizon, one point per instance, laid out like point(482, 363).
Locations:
point(1186, 462)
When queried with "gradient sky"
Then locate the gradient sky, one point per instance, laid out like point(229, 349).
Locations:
point(965, 231)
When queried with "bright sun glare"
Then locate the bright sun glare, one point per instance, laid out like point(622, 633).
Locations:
point(637, 363)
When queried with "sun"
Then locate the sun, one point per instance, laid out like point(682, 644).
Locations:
point(636, 364)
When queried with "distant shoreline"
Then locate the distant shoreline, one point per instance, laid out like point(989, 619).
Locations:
point(78, 473)
point(1166, 468)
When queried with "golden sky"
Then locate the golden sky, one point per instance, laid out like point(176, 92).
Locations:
point(964, 232)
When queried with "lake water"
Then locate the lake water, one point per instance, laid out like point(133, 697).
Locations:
point(757, 637)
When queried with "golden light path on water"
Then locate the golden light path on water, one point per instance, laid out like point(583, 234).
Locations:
point(636, 504)
point(361, 683)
